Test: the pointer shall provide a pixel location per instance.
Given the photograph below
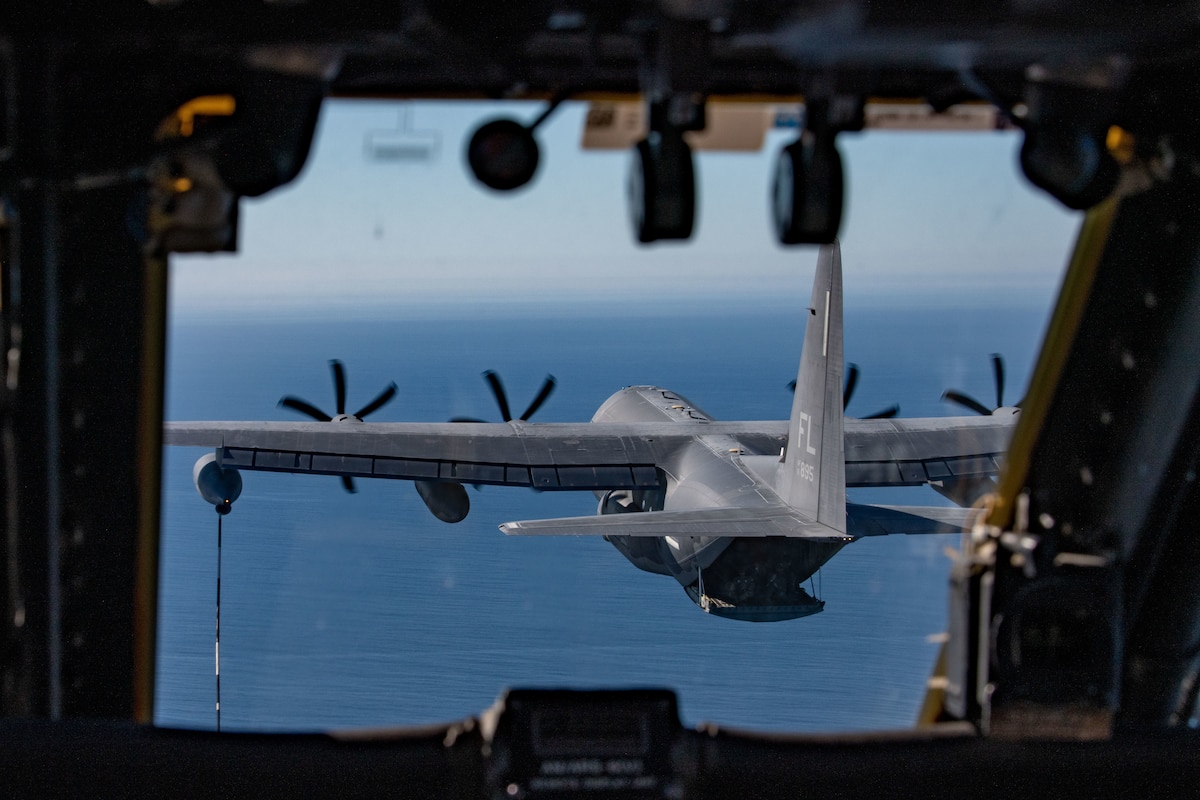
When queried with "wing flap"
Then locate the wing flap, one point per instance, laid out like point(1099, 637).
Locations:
point(554, 457)
point(909, 452)
point(546, 477)
point(588, 455)
point(713, 522)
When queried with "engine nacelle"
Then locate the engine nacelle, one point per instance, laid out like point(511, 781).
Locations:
point(447, 501)
point(217, 485)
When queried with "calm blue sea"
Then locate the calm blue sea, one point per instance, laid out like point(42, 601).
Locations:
point(362, 610)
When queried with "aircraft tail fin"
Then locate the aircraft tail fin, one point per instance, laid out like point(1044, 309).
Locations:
point(812, 477)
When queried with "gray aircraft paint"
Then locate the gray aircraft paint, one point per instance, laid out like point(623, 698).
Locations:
point(739, 513)
point(812, 478)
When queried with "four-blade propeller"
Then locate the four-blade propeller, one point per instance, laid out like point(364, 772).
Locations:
point(848, 392)
point(339, 385)
point(493, 380)
point(497, 387)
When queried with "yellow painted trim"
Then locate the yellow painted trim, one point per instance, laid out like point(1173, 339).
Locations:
point(183, 121)
point(1120, 143)
point(1056, 347)
point(935, 693)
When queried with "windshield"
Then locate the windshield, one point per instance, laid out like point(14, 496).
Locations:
point(344, 609)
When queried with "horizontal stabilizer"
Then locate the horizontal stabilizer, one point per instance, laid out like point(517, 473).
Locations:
point(712, 522)
point(868, 520)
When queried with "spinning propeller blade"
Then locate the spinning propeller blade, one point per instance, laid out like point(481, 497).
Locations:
point(998, 371)
point(339, 390)
point(493, 380)
point(851, 382)
point(379, 402)
point(886, 413)
point(543, 393)
point(339, 384)
point(296, 404)
point(852, 373)
point(966, 401)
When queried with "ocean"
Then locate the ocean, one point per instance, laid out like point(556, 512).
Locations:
point(362, 610)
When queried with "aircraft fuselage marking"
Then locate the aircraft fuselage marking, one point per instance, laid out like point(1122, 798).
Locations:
point(807, 471)
point(806, 432)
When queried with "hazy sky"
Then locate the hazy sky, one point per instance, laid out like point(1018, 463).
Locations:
point(926, 212)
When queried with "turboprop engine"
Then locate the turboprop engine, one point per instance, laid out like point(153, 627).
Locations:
point(449, 501)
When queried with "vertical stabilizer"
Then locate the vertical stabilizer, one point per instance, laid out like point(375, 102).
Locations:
point(812, 477)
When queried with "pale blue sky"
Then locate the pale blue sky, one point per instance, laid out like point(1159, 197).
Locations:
point(943, 213)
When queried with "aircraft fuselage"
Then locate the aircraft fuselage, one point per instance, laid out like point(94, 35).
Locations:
point(739, 513)
point(756, 579)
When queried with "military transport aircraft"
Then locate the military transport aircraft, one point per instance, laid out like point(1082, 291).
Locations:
point(739, 513)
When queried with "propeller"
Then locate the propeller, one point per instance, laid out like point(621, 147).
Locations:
point(966, 401)
point(339, 387)
point(848, 392)
point(493, 380)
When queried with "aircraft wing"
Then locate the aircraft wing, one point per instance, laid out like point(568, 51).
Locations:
point(909, 452)
point(547, 456)
point(872, 520)
point(861, 520)
point(708, 522)
point(585, 455)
